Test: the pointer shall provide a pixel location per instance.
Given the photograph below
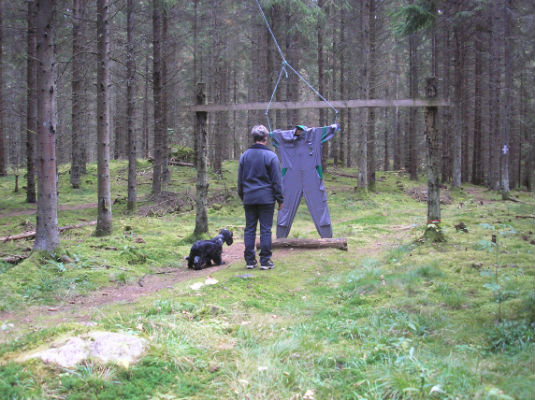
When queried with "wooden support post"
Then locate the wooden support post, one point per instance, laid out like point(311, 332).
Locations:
point(433, 231)
point(201, 154)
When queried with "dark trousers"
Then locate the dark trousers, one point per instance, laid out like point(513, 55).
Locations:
point(253, 214)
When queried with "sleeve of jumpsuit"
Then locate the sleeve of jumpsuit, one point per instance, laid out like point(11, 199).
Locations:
point(328, 132)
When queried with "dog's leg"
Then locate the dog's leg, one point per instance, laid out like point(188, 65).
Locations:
point(217, 258)
point(190, 259)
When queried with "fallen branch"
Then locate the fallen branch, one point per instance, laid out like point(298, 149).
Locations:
point(338, 173)
point(13, 259)
point(30, 235)
point(336, 243)
point(180, 163)
point(525, 216)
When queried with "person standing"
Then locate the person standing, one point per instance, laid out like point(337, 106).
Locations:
point(259, 187)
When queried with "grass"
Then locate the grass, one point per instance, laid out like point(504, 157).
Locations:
point(392, 318)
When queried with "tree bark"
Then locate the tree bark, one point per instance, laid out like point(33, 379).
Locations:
point(456, 145)
point(217, 70)
point(166, 174)
point(344, 134)
point(130, 105)
point(372, 67)
point(508, 114)
point(413, 89)
point(397, 126)
point(78, 14)
point(477, 163)
point(321, 78)
point(31, 105)
point(201, 218)
point(104, 219)
point(494, 99)
point(3, 161)
point(335, 243)
point(157, 94)
point(433, 230)
point(47, 234)
point(445, 113)
point(145, 127)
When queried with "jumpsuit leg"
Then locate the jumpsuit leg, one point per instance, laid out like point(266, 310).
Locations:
point(293, 190)
point(266, 222)
point(249, 234)
point(316, 199)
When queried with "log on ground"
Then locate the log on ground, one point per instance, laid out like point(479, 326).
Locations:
point(31, 235)
point(336, 243)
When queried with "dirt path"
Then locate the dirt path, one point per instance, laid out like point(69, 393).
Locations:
point(82, 309)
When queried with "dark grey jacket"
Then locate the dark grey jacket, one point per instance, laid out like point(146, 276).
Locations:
point(259, 176)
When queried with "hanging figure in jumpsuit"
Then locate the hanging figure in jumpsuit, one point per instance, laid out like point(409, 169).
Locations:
point(300, 153)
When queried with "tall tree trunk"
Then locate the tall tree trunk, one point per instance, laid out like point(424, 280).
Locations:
point(145, 127)
point(456, 144)
point(3, 163)
point(388, 126)
point(362, 177)
point(477, 166)
point(46, 231)
point(433, 166)
point(130, 104)
point(166, 174)
point(78, 11)
point(372, 66)
point(201, 218)
point(218, 77)
point(413, 93)
point(445, 112)
point(508, 114)
point(525, 179)
point(343, 134)
point(494, 99)
point(321, 77)
point(104, 219)
point(397, 126)
point(157, 94)
point(31, 105)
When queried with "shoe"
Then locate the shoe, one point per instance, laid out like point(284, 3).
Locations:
point(251, 266)
point(267, 265)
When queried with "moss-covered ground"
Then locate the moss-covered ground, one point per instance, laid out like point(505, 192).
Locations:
point(392, 318)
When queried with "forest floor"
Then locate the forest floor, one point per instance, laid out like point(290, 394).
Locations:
point(392, 317)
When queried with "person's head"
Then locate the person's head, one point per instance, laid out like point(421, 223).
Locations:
point(259, 134)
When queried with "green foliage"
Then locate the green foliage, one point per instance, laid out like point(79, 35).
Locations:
point(386, 319)
point(138, 382)
point(16, 382)
point(511, 336)
point(181, 153)
point(412, 18)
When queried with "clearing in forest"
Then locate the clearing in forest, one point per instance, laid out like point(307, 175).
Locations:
point(393, 317)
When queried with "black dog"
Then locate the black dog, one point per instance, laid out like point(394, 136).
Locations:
point(203, 252)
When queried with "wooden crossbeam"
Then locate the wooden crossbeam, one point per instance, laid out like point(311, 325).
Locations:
point(339, 104)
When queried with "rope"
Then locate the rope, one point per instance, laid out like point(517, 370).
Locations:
point(283, 70)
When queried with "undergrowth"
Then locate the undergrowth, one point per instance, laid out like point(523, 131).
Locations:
point(392, 318)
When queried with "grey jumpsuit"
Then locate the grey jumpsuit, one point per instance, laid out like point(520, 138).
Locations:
point(302, 174)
